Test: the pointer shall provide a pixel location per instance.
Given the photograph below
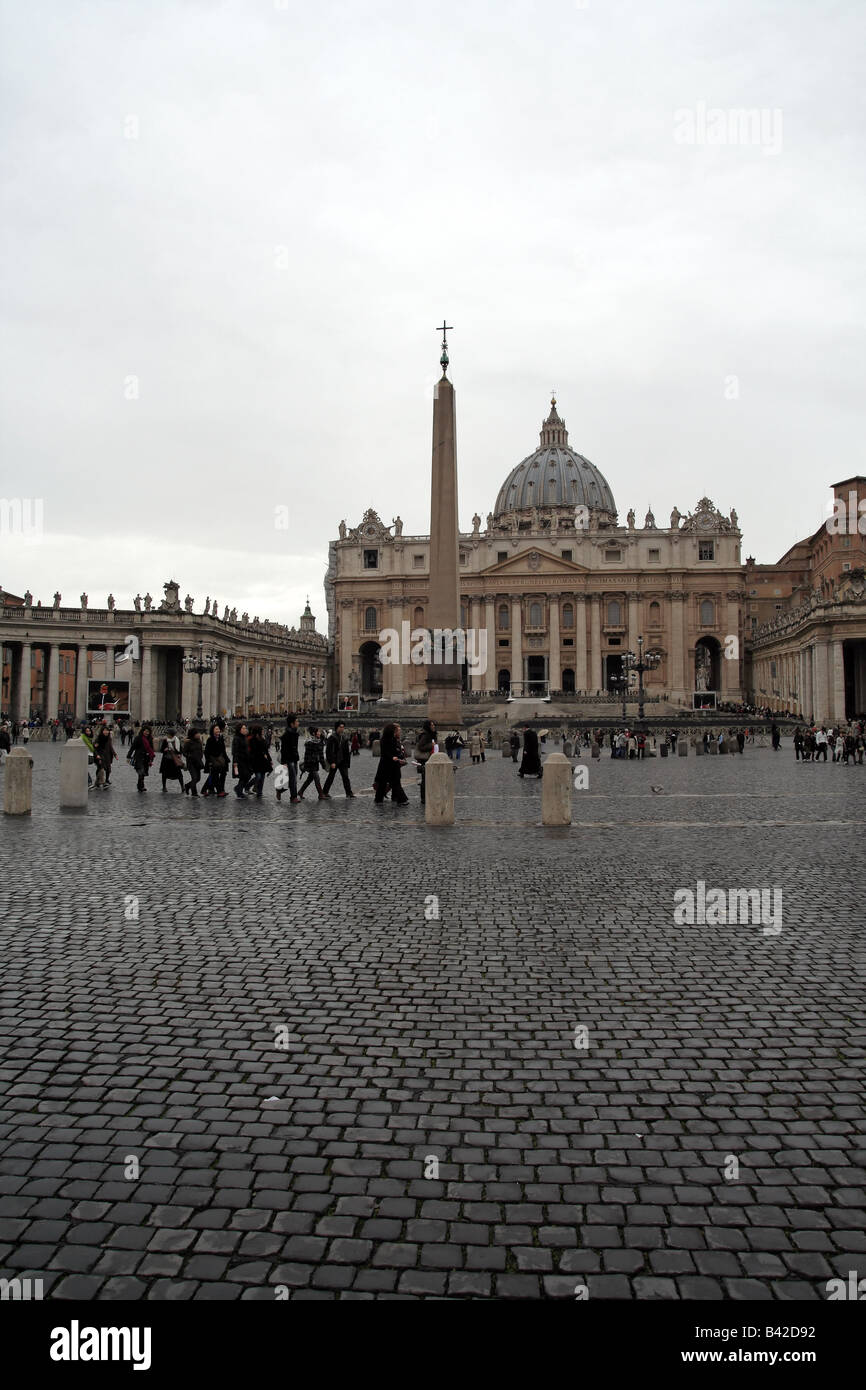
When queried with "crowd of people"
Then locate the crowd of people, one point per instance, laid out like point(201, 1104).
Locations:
point(816, 743)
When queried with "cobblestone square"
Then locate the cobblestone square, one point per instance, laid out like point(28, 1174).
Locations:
point(244, 1058)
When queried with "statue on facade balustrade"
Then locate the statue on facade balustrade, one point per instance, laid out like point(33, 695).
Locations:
point(28, 598)
point(234, 615)
point(226, 614)
point(148, 603)
point(136, 602)
point(57, 597)
point(110, 601)
point(676, 518)
point(83, 600)
point(629, 521)
point(188, 602)
point(397, 523)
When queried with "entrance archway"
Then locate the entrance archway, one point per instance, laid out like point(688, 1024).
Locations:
point(371, 671)
point(613, 673)
point(503, 682)
point(707, 664)
point(568, 681)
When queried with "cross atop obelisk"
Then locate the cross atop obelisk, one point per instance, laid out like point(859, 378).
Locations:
point(443, 360)
point(444, 676)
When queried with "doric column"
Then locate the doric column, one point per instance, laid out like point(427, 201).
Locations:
point(81, 681)
point(516, 638)
point(837, 681)
point(595, 681)
point(580, 675)
point(22, 710)
point(52, 681)
point(822, 688)
point(145, 698)
point(555, 667)
point(222, 682)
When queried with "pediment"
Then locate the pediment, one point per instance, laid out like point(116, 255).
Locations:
point(534, 561)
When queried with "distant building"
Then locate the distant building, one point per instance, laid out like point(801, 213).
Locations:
point(560, 588)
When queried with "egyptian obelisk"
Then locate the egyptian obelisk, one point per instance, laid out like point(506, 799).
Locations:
point(444, 676)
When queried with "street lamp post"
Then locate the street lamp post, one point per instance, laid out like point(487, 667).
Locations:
point(202, 665)
point(644, 661)
point(313, 684)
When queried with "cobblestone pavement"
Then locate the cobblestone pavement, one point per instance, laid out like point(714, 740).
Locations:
point(287, 1037)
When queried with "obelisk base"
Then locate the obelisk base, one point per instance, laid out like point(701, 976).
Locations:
point(445, 697)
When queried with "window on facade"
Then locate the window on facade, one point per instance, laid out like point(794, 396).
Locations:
point(503, 616)
point(613, 556)
point(464, 558)
point(503, 642)
point(535, 615)
point(568, 641)
point(370, 623)
point(500, 556)
point(418, 562)
point(614, 613)
point(846, 564)
point(567, 554)
point(708, 613)
point(371, 559)
point(419, 617)
point(706, 550)
point(655, 557)
point(567, 615)
point(655, 614)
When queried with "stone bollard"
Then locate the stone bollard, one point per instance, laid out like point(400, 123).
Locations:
point(439, 790)
point(699, 748)
point(596, 750)
point(18, 783)
point(556, 790)
point(663, 749)
point(506, 749)
point(376, 750)
point(73, 775)
point(713, 746)
point(682, 748)
point(567, 750)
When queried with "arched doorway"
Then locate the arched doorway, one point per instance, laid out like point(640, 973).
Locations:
point(707, 664)
point(568, 681)
point(371, 671)
point(503, 682)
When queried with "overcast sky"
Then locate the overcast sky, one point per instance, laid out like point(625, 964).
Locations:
point(230, 229)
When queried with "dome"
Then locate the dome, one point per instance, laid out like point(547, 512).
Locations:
point(555, 476)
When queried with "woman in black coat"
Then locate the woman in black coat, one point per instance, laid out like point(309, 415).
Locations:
point(216, 762)
point(241, 759)
point(194, 754)
point(392, 757)
point(530, 765)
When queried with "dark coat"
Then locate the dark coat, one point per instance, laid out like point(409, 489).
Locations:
point(424, 746)
point(215, 752)
point(241, 752)
point(388, 770)
point(260, 758)
point(289, 746)
point(141, 754)
point(337, 750)
point(313, 759)
point(193, 751)
point(530, 764)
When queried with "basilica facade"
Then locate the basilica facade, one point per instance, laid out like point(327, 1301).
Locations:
point(558, 586)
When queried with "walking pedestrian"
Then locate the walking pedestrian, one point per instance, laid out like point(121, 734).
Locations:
point(530, 765)
point(475, 745)
point(338, 756)
point(514, 744)
point(141, 755)
point(193, 752)
point(241, 769)
point(392, 759)
point(289, 755)
point(313, 760)
point(424, 747)
point(260, 760)
point(216, 762)
point(105, 756)
point(171, 762)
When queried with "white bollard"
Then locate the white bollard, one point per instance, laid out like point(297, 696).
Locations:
point(73, 775)
point(439, 790)
point(556, 790)
point(18, 783)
